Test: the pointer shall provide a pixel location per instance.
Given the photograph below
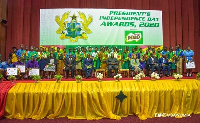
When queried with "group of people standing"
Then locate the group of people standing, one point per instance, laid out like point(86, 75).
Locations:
point(53, 60)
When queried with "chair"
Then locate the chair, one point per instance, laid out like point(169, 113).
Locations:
point(124, 71)
point(101, 71)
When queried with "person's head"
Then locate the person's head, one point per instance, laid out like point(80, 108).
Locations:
point(109, 50)
point(74, 50)
point(82, 49)
point(8, 61)
point(153, 50)
point(44, 49)
point(64, 50)
point(19, 59)
point(134, 56)
point(22, 46)
point(164, 56)
point(32, 58)
point(158, 50)
point(88, 55)
point(78, 50)
point(96, 49)
point(53, 49)
point(149, 47)
point(125, 50)
point(151, 55)
point(14, 49)
point(140, 50)
point(171, 49)
point(90, 49)
point(58, 49)
point(70, 50)
point(51, 55)
point(70, 55)
point(106, 48)
point(178, 46)
point(103, 49)
point(165, 48)
point(41, 49)
point(32, 48)
point(36, 49)
point(112, 55)
point(136, 48)
point(27, 48)
point(49, 49)
point(133, 49)
point(188, 48)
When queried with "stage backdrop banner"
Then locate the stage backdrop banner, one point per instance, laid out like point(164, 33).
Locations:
point(100, 27)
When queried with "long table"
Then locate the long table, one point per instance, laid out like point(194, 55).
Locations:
point(96, 100)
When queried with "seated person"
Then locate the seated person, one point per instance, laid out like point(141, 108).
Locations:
point(42, 63)
point(70, 64)
point(134, 64)
point(51, 63)
point(32, 64)
point(112, 63)
point(19, 62)
point(88, 66)
point(4, 65)
point(163, 61)
point(152, 62)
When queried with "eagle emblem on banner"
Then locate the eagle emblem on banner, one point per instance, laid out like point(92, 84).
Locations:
point(72, 29)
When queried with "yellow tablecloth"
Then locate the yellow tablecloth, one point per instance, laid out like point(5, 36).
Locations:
point(96, 100)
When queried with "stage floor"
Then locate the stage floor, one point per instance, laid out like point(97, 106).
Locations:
point(94, 100)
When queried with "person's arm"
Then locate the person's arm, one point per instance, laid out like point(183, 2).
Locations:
point(116, 62)
point(36, 64)
point(108, 61)
point(74, 62)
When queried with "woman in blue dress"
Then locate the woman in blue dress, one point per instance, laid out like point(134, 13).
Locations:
point(188, 53)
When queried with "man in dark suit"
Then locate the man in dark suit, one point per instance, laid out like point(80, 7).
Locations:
point(152, 62)
point(88, 66)
point(164, 64)
point(112, 63)
point(70, 64)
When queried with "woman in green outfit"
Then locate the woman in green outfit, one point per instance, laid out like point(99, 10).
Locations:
point(171, 57)
point(125, 64)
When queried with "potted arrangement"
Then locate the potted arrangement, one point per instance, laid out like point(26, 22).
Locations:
point(12, 78)
point(154, 76)
point(1, 77)
point(37, 78)
point(198, 76)
point(118, 77)
point(100, 77)
point(58, 78)
point(78, 78)
point(139, 76)
point(177, 76)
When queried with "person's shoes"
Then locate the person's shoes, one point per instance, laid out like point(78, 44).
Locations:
point(73, 77)
point(67, 77)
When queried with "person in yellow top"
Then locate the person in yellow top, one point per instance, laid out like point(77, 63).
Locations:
point(13, 55)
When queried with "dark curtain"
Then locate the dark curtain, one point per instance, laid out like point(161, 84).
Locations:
point(180, 19)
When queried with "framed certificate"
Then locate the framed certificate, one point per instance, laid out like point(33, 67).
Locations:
point(190, 65)
point(34, 71)
point(22, 68)
point(12, 71)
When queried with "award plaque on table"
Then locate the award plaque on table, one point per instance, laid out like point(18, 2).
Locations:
point(12, 71)
point(190, 65)
point(22, 68)
point(34, 71)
